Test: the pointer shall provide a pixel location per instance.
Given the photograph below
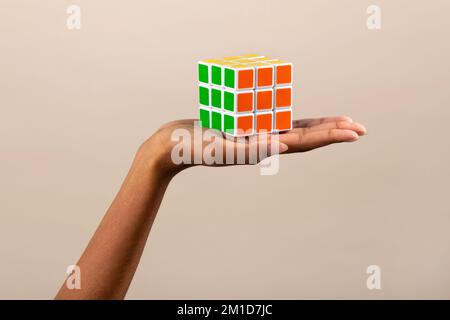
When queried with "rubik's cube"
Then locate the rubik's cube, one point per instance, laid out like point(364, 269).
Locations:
point(245, 95)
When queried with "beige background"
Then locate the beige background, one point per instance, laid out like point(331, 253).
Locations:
point(75, 105)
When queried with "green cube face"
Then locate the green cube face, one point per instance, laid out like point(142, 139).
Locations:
point(228, 124)
point(203, 73)
point(203, 94)
point(205, 118)
point(216, 98)
point(228, 101)
point(216, 120)
point(230, 78)
point(216, 75)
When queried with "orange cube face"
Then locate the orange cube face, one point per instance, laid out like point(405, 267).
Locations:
point(246, 79)
point(264, 76)
point(284, 74)
point(245, 125)
point(283, 120)
point(283, 97)
point(245, 102)
point(264, 122)
point(264, 100)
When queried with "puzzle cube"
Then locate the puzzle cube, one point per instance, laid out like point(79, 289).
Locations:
point(246, 94)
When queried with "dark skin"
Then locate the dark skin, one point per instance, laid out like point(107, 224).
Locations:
point(112, 256)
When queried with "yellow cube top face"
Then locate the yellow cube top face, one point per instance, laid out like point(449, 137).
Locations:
point(246, 59)
point(258, 64)
point(232, 58)
point(276, 61)
point(239, 66)
point(241, 58)
point(211, 60)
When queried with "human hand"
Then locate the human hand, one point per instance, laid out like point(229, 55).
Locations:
point(306, 135)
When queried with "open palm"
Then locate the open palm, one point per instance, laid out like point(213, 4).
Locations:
point(306, 135)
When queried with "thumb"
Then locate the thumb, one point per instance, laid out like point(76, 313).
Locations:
point(277, 147)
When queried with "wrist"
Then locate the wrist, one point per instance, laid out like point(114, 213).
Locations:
point(155, 156)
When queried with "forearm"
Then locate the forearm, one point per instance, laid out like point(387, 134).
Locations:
point(110, 260)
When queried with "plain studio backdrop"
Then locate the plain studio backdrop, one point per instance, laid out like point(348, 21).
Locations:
point(76, 104)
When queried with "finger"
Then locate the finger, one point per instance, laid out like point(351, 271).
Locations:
point(301, 140)
point(355, 126)
point(304, 123)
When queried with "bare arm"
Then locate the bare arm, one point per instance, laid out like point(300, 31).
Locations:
point(110, 260)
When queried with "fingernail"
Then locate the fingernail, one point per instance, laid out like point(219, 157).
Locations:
point(276, 148)
point(282, 148)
